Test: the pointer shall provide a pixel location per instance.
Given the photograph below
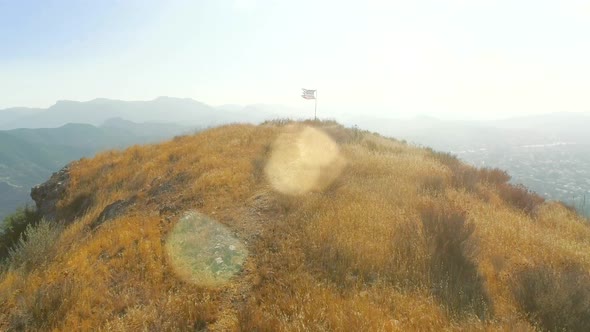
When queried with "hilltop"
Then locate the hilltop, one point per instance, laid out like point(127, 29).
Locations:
point(294, 226)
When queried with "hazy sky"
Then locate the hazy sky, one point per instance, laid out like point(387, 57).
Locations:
point(456, 58)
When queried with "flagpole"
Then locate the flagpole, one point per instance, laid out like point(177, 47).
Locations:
point(315, 110)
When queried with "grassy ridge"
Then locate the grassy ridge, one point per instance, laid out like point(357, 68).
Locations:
point(404, 239)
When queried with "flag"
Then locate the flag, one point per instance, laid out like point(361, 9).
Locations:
point(308, 94)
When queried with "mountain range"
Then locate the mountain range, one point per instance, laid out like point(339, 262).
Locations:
point(183, 111)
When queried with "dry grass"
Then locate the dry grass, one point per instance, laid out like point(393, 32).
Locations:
point(404, 239)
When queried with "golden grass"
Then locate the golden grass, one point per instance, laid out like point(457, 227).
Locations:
point(354, 254)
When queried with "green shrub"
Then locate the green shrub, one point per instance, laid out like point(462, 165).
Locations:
point(36, 246)
point(13, 226)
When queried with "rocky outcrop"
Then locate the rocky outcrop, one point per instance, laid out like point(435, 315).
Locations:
point(113, 211)
point(46, 195)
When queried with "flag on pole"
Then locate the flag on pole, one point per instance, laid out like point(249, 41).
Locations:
point(308, 94)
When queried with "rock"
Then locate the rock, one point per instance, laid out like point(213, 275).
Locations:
point(112, 211)
point(46, 195)
point(168, 209)
point(159, 188)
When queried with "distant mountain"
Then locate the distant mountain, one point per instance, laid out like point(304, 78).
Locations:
point(10, 115)
point(29, 156)
point(160, 110)
point(11, 197)
point(564, 126)
point(459, 135)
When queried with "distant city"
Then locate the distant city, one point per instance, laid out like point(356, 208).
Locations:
point(549, 154)
point(559, 171)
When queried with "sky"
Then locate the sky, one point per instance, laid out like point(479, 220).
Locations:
point(460, 59)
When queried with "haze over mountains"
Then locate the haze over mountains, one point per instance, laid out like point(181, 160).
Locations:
point(184, 111)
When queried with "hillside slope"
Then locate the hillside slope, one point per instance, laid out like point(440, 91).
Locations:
point(29, 156)
point(295, 227)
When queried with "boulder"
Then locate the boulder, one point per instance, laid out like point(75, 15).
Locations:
point(46, 195)
point(112, 211)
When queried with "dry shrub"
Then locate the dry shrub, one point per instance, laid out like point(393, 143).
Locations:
point(463, 176)
point(410, 260)
point(45, 308)
point(520, 197)
point(277, 122)
point(252, 319)
point(455, 279)
point(467, 177)
point(556, 300)
point(568, 207)
point(493, 176)
point(444, 158)
point(259, 163)
point(433, 185)
point(343, 135)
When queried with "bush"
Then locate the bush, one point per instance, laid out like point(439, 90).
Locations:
point(35, 246)
point(447, 159)
point(454, 277)
point(467, 177)
point(13, 226)
point(463, 176)
point(45, 308)
point(520, 197)
point(493, 176)
point(277, 122)
point(555, 300)
point(259, 163)
point(433, 185)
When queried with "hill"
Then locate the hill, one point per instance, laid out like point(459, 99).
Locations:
point(29, 156)
point(294, 227)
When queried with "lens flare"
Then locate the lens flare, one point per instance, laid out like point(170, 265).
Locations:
point(303, 159)
point(203, 251)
